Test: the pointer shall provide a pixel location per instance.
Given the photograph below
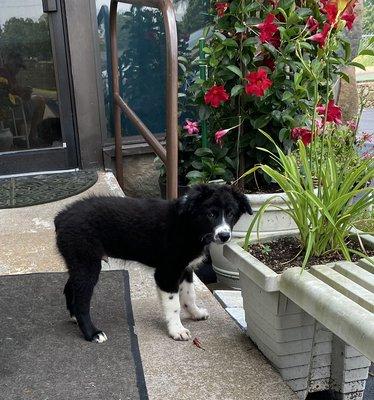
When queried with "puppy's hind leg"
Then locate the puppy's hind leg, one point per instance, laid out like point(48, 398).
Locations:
point(83, 282)
point(188, 297)
point(70, 299)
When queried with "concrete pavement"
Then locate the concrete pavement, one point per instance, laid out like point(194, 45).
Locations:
point(230, 367)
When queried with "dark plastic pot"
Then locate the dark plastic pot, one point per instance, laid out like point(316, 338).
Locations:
point(182, 189)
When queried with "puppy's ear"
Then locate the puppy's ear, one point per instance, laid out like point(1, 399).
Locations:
point(242, 201)
point(196, 195)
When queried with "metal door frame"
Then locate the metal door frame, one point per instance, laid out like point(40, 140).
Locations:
point(54, 158)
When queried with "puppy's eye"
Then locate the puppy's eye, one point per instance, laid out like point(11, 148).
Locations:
point(211, 215)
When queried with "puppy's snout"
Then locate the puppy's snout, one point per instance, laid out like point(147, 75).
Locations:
point(224, 236)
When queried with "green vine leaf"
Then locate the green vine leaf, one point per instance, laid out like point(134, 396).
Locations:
point(237, 89)
point(235, 70)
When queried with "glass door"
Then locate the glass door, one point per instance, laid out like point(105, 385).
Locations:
point(36, 113)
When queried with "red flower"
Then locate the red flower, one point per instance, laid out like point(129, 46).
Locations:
point(334, 112)
point(304, 134)
point(312, 24)
point(275, 40)
point(216, 95)
point(321, 37)
point(331, 11)
point(269, 62)
point(342, 8)
point(274, 3)
point(269, 31)
point(349, 16)
point(221, 8)
point(258, 82)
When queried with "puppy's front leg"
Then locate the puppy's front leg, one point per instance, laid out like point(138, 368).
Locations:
point(171, 308)
point(188, 297)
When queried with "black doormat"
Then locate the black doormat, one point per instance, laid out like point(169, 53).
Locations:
point(42, 353)
point(38, 189)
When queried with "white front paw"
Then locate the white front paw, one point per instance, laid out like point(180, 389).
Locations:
point(179, 333)
point(200, 314)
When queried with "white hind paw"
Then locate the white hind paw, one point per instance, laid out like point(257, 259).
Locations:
point(100, 337)
point(200, 314)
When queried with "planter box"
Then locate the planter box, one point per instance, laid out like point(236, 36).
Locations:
point(308, 355)
point(274, 221)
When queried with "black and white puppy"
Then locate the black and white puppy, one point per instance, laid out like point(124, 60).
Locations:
point(165, 235)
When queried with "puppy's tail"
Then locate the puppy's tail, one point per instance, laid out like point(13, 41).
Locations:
point(58, 220)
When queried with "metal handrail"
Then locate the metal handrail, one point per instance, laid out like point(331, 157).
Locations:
point(169, 155)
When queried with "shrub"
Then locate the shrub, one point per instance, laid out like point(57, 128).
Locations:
point(262, 57)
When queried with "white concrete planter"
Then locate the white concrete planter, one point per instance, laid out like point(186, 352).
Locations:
point(307, 354)
point(274, 221)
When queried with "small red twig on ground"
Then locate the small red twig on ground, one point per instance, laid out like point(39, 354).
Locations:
point(197, 343)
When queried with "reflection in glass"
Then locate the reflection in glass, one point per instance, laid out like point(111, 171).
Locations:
point(29, 112)
point(142, 59)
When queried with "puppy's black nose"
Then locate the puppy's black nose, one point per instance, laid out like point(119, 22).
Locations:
point(224, 236)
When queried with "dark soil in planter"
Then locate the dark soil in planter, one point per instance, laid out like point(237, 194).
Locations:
point(281, 254)
point(261, 188)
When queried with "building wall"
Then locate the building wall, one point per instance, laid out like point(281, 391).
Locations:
point(83, 48)
point(139, 171)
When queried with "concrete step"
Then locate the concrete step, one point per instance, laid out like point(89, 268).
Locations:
point(230, 367)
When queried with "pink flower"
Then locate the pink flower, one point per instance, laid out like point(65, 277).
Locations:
point(334, 112)
point(367, 155)
point(319, 124)
point(192, 127)
point(366, 137)
point(219, 135)
point(258, 82)
point(304, 134)
point(352, 125)
point(321, 37)
point(312, 24)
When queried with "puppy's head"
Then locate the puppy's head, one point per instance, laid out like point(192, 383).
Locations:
point(213, 210)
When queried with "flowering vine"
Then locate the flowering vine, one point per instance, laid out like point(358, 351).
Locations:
point(262, 60)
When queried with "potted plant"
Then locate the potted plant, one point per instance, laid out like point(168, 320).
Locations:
point(196, 164)
point(257, 81)
point(7, 100)
point(300, 348)
point(327, 193)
